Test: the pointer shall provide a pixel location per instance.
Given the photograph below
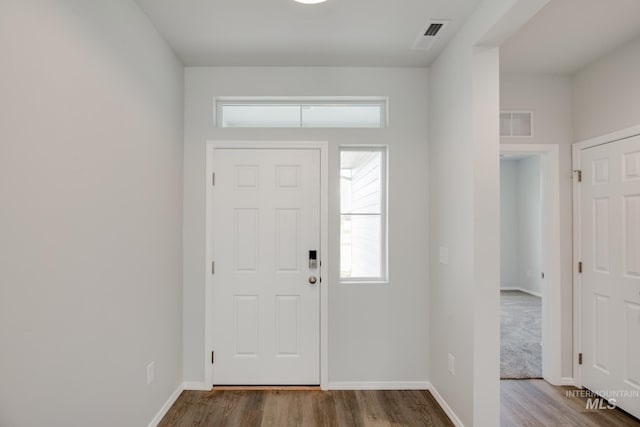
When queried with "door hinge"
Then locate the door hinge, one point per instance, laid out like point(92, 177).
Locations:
point(213, 179)
point(212, 356)
point(579, 174)
point(580, 267)
point(579, 358)
point(213, 267)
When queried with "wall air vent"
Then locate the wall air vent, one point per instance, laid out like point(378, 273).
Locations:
point(516, 123)
point(429, 34)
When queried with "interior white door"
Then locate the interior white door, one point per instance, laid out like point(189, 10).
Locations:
point(266, 305)
point(610, 230)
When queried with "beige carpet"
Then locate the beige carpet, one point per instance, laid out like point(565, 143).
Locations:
point(520, 335)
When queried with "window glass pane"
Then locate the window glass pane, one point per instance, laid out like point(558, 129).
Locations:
point(361, 182)
point(361, 246)
point(262, 116)
point(337, 116)
point(363, 214)
point(285, 112)
point(345, 190)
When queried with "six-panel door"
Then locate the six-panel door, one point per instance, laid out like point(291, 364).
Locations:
point(266, 313)
point(610, 232)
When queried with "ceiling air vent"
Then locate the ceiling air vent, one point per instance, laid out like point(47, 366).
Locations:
point(429, 35)
point(433, 29)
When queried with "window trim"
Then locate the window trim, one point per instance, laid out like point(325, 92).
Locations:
point(384, 217)
point(221, 101)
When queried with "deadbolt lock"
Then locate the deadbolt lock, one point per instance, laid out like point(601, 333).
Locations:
point(313, 260)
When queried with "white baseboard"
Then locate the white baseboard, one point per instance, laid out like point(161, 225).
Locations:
point(567, 381)
point(445, 407)
point(379, 385)
point(167, 405)
point(196, 386)
point(526, 291)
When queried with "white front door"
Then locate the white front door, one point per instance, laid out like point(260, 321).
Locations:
point(610, 232)
point(266, 304)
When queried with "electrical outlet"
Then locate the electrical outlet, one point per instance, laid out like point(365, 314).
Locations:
point(451, 365)
point(444, 255)
point(151, 372)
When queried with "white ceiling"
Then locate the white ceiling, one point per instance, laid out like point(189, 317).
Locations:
point(566, 35)
point(285, 33)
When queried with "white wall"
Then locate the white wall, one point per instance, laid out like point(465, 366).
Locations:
point(464, 202)
point(606, 93)
point(377, 332)
point(549, 97)
point(90, 214)
point(509, 242)
point(520, 224)
point(530, 224)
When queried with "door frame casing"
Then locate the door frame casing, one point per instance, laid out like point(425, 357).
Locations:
point(323, 147)
point(551, 291)
point(577, 240)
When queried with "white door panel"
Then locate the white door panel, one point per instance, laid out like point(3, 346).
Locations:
point(266, 313)
point(610, 232)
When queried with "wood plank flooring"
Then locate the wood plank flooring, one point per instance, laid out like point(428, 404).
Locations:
point(280, 408)
point(536, 403)
point(531, 403)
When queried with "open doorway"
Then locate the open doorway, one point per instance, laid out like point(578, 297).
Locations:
point(521, 272)
point(530, 268)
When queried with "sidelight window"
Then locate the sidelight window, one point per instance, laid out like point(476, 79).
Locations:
point(363, 214)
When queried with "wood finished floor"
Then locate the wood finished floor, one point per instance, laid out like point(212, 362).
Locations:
point(530, 403)
point(305, 408)
point(536, 403)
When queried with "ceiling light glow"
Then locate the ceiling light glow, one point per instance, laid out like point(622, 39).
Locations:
point(310, 1)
